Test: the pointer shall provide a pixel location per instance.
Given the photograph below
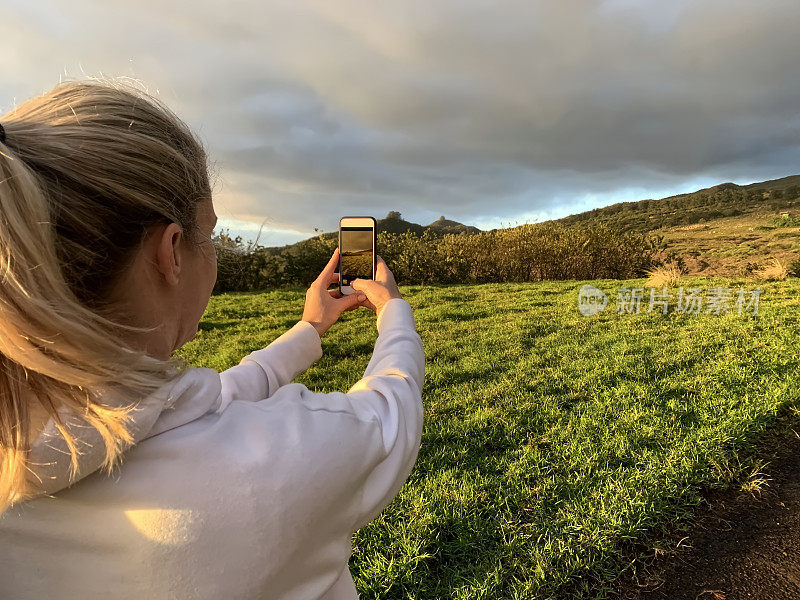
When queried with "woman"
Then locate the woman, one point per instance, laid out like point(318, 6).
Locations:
point(237, 484)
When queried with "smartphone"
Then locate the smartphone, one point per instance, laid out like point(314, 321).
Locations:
point(356, 251)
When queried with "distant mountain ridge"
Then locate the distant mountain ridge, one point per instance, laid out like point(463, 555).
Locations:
point(393, 222)
point(716, 202)
point(726, 229)
point(723, 230)
point(443, 225)
point(671, 216)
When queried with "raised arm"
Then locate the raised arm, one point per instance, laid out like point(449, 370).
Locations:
point(263, 371)
point(355, 449)
point(325, 464)
point(389, 396)
point(362, 444)
point(391, 393)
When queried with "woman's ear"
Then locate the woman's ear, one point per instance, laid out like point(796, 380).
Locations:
point(168, 253)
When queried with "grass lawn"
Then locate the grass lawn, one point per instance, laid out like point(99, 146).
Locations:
point(557, 447)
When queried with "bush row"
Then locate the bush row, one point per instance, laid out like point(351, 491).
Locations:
point(531, 252)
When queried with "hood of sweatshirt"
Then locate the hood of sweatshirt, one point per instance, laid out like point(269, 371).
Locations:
point(194, 393)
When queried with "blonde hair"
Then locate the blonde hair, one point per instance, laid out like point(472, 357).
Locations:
point(85, 170)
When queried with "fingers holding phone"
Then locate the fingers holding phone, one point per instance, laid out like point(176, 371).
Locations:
point(323, 307)
point(360, 268)
point(379, 290)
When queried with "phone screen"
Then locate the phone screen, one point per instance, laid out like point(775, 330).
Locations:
point(356, 253)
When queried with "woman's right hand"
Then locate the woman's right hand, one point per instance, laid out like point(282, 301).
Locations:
point(379, 290)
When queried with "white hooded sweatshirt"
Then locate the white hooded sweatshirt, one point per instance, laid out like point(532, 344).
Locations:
point(245, 487)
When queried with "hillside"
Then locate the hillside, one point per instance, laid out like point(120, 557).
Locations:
point(444, 226)
point(724, 230)
point(733, 246)
point(719, 201)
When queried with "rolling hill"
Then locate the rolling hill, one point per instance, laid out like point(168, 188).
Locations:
point(720, 201)
point(724, 230)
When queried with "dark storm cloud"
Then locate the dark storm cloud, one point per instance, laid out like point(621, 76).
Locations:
point(478, 110)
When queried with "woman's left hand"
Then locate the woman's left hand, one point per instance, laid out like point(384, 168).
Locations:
point(323, 306)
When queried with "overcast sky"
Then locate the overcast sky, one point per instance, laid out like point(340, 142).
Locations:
point(490, 113)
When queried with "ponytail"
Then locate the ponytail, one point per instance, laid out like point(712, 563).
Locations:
point(84, 170)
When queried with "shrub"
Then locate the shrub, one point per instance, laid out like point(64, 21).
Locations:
point(785, 222)
point(775, 272)
point(531, 252)
point(668, 274)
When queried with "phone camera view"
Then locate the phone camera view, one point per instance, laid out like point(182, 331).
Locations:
point(356, 254)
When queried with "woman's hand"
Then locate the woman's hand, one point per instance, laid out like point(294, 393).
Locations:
point(380, 290)
point(323, 306)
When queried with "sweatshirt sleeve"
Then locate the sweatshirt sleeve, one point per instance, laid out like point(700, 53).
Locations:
point(263, 371)
point(361, 445)
point(391, 390)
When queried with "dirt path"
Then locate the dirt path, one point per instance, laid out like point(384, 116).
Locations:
point(742, 546)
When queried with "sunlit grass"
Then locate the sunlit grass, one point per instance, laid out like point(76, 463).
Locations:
point(668, 274)
point(776, 271)
point(554, 444)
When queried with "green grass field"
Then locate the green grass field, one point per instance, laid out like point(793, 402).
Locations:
point(557, 448)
